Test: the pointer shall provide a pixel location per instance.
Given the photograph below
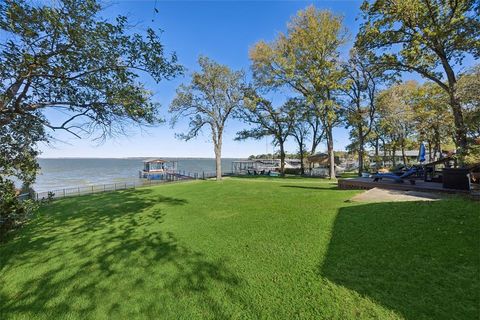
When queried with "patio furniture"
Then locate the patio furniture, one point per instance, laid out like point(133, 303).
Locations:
point(397, 178)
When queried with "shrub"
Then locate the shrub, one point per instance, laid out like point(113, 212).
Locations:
point(296, 171)
point(13, 211)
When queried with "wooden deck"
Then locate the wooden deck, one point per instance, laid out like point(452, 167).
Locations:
point(420, 185)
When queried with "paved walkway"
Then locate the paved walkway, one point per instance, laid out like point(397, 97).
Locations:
point(384, 195)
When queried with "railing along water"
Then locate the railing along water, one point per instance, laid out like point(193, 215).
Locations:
point(99, 188)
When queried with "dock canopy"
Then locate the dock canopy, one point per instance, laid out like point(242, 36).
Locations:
point(153, 165)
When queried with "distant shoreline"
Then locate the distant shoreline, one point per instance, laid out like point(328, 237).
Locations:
point(134, 158)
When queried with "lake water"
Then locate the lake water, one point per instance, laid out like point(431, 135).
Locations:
point(65, 173)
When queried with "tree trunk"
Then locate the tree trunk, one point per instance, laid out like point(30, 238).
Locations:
point(460, 129)
point(331, 155)
point(302, 166)
point(301, 147)
point(404, 157)
point(430, 155)
point(218, 162)
point(394, 150)
point(377, 156)
point(282, 158)
point(384, 156)
point(218, 157)
point(360, 151)
point(438, 144)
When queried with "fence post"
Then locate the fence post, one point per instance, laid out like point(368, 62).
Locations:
point(103, 187)
point(64, 194)
point(125, 186)
point(203, 175)
point(78, 190)
point(115, 187)
point(92, 189)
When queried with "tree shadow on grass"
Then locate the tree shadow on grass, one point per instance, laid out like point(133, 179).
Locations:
point(420, 259)
point(325, 186)
point(110, 255)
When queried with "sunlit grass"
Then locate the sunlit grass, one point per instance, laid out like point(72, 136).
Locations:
point(243, 249)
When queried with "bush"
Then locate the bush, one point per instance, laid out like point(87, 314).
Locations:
point(13, 211)
point(473, 155)
point(293, 171)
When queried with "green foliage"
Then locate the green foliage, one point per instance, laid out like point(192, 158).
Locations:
point(266, 120)
point(264, 248)
point(427, 37)
point(62, 56)
point(473, 155)
point(66, 58)
point(468, 92)
point(209, 100)
point(362, 83)
point(432, 116)
point(13, 212)
point(306, 60)
point(396, 114)
point(302, 116)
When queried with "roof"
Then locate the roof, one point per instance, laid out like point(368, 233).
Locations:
point(318, 158)
point(155, 161)
point(398, 153)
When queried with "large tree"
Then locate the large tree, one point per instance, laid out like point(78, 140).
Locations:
point(302, 118)
point(266, 120)
point(433, 118)
point(306, 60)
point(469, 95)
point(209, 100)
point(363, 80)
point(64, 57)
point(430, 37)
point(395, 108)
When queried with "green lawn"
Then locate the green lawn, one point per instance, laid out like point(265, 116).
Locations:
point(243, 249)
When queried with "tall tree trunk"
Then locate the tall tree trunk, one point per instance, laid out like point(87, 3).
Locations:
point(301, 147)
point(331, 155)
point(384, 157)
point(460, 130)
point(314, 144)
point(394, 150)
point(218, 162)
point(438, 144)
point(282, 157)
point(377, 156)
point(404, 157)
point(430, 155)
point(360, 151)
point(302, 156)
point(218, 157)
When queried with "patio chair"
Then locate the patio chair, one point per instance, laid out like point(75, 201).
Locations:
point(397, 178)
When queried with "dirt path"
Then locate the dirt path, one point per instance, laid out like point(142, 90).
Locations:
point(383, 195)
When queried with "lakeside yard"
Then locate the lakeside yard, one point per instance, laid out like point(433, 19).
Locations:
point(243, 248)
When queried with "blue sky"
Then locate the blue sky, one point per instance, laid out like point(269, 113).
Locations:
point(221, 30)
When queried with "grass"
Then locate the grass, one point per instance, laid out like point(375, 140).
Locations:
point(243, 249)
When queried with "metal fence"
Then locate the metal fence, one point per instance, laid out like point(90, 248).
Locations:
point(98, 188)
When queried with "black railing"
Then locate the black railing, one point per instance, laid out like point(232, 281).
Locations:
point(98, 188)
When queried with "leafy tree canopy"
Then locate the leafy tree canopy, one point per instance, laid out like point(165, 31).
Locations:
point(430, 37)
point(209, 100)
point(65, 57)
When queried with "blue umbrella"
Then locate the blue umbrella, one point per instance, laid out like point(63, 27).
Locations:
point(421, 153)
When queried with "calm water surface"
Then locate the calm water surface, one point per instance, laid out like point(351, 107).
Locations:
point(64, 173)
